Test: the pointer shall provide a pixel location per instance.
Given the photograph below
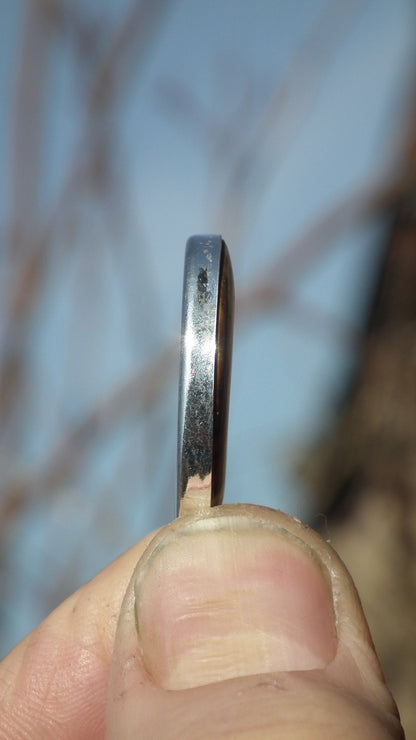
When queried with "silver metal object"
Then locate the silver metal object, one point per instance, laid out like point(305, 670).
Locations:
point(205, 370)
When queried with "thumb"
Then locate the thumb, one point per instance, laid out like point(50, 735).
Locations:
point(244, 624)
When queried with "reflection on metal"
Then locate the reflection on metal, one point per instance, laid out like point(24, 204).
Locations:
point(205, 369)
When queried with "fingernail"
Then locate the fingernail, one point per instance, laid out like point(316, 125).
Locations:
point(227, 597)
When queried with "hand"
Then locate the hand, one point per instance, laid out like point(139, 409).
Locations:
point(241, 625)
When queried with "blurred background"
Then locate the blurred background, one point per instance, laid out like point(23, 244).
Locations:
point(290, 128)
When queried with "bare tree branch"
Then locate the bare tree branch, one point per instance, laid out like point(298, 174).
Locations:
point(109, 77)
point(285, 113)
point(275, 285)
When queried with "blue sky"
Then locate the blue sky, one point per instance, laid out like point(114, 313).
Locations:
point(204, 92)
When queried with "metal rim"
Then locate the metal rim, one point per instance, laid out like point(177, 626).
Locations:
point(205, 370)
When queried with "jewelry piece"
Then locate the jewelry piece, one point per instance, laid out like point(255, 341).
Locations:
point(205, 370)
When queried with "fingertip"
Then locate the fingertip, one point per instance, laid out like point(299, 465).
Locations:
point(184, 648)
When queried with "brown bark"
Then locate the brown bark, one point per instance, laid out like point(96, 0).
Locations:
point(364, 473)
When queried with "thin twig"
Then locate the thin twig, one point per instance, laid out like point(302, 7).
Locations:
point(275, 285)
point(285, 114)
point(134, 396)
point(136, 33)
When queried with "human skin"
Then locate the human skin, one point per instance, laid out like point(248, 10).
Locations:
point(242, 625)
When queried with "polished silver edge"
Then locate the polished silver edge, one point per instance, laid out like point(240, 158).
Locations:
point(204, 258)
